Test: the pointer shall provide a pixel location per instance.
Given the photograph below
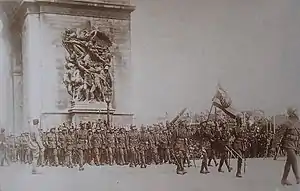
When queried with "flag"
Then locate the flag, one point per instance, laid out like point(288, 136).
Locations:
point(222, 101)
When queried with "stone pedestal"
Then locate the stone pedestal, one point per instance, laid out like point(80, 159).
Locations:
point(86, 111)
point(40, 60)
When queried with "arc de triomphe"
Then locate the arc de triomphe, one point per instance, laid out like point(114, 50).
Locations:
point(63, 61)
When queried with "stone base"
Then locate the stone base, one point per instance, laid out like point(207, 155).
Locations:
point(85, 111)
point(90, 108)
point(89, 111)
point(53, 119)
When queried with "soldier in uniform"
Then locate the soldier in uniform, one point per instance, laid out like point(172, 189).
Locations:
point(96, 141)
point(144, 145)
point(188, 133)
point(28, 156)
point(89, 152)
point(23, 148)
point(205, 136)
point(3, 148)
point(81, 140)
point(133, 137)
point(222, 140)
point(153, 143)
point(110, 146)
point(102, 150)
point(69, 140)
point(52, 147)
point(14, 148)
point(289, 133)
point(35, 144)
point(121, 142)
point(61, 146)
point(178, 140)
point(212, 151)
point(164, 143)
point(239, 147)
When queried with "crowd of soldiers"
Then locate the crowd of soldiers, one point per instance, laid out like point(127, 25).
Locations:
point(180, 143)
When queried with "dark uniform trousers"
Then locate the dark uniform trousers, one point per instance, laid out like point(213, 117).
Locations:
point(288, 135)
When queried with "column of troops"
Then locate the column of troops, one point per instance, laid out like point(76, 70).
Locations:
point(180, 143)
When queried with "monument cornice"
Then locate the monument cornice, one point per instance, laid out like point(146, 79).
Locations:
point(77, 8)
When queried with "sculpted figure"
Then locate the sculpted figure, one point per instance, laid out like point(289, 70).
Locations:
point(87, 76)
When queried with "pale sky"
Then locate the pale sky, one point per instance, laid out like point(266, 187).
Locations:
point(181, 49)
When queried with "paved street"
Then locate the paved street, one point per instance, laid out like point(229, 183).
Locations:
point(261, 175)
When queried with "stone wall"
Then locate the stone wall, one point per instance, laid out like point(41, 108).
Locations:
point(45, 95)
point(6, 95)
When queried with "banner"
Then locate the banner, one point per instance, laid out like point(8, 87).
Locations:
point(222, 101)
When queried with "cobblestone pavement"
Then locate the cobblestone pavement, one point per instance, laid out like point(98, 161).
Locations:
point(261, 175)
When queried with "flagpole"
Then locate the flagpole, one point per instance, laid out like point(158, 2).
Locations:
point(211, 107)
point(215, 114)
point(274, 124)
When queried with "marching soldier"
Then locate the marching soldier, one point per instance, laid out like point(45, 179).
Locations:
point(103, 151)
point(164, 143)
point(188, 133)
point(61, 146)
point(288, 133)
point(133, 137)
point(41, 160)
point(153, 141)
point(35, 144)
point(223, 137)
point(52, 146)
point(205, 136)
point(239, 147)
point(69, 140)
point(212, 151)
point(110, 138)
point(97, 145)
point(121, 142)
point(179, 148)
point(3, 147)
point(89, 152)
point(81, 141)
point(23, 148)
point(144, 145)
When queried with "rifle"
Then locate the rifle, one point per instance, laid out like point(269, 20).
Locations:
point(176, 160)
point(178, 116)
point(232, 151)
point(245, 165)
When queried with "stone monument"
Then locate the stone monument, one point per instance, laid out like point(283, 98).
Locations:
point(73, 59)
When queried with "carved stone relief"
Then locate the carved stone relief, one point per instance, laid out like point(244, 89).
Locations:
point(88, 64)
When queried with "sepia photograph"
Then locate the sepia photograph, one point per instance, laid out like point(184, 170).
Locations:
point(149, 95)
